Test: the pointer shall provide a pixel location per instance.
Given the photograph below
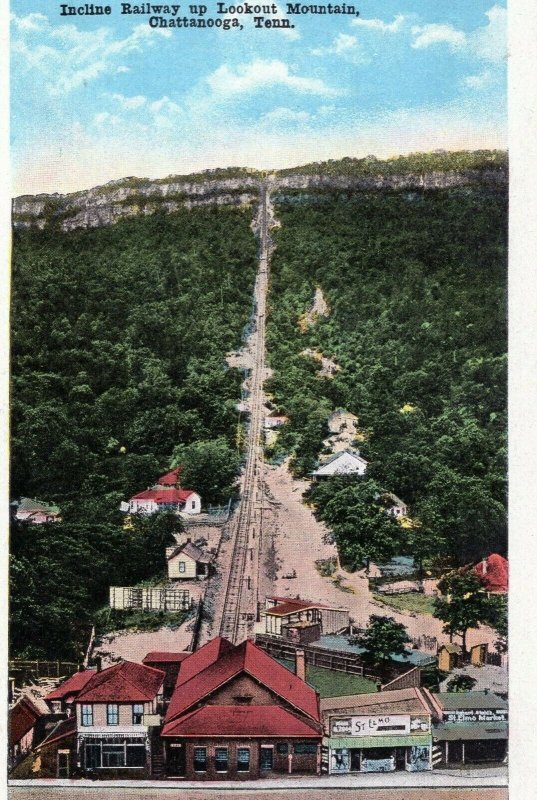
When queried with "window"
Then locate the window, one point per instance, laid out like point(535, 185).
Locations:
point(113, 755)
point(136, 755)
point(182, 566)
point(87, 714)
point(193, 504)
point(56, 706)
point(138, 714)
point(282, 748)
point(305, 748)
point(112, 714)
point(200, 759)
point(243, 759)
point(221, 759)
point(93, 755)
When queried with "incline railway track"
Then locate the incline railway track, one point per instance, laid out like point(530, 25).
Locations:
point(239, 605)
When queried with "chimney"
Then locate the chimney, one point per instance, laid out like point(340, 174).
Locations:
point(300, 664)
point(98, 663)
point(484, 566)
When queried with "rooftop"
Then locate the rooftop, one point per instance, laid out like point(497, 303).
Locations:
point(164, 494)
point(123, 682)
point(72, 685)
point(22, 718)
point(397, 701)
point(190, 550)
point(164, 657)
point(470, 700)
point(241, 721)
point(224, 661)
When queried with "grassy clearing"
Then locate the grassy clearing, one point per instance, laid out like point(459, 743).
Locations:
point(108, 620)
point(330, 683)
point(418, 603)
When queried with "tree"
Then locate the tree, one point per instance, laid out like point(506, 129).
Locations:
point(463, 604)
point(209, 468)
point(383, 639)
point(461, 683)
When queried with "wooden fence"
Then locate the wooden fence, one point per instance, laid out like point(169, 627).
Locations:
point(407, 680)
point(29, 669)
point(338, 661)
point(150, 598)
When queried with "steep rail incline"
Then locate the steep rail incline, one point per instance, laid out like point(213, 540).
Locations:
point(240, 606)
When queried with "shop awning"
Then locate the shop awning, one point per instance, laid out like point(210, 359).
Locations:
point(358, 742)
point(452, 732)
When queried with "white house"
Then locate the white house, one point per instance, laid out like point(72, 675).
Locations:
point(165, 498)
point(345, 463)
point(395, 507)
point(187, 561)
point(36, 512)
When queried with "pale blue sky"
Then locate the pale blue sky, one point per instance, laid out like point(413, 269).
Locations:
point(98, 98)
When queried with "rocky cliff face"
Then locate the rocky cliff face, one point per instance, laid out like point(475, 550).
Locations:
point(105, 205)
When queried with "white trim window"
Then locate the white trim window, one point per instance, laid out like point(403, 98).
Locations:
point(112, 714)
point(182, 566)
point(138, 714)
point(87, 714)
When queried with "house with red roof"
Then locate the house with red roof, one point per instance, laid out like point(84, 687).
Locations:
point(169, 663)
point(118, 716)
point(493, 572)
point(236, 713)
point(166, 495)
point(23, 720)
point(61, 699)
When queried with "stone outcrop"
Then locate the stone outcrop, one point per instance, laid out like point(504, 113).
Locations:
point(131, 197)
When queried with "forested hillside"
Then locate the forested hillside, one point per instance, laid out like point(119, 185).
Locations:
point(118, 343)
point(416, 287)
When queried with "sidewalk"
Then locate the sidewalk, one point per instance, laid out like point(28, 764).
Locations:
point(487, 777)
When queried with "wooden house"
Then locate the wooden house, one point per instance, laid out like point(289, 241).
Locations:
point(187, 561)
point(36, 511)
point(346, 462)
point(115, 714)
point(283, 614)
point(23, 720)
point(237, 714)
point(61, 699)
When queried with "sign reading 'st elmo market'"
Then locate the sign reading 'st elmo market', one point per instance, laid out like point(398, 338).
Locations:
point(476, 715)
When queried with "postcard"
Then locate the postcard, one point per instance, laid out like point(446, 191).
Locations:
point(258, 399)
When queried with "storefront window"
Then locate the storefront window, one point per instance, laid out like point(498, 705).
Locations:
point(113, 755)
point(339, 760)
point(136, 755)
point(93, 756)
point(221, 761)
point(243, 759)
point(305, 748)
point(200, 759)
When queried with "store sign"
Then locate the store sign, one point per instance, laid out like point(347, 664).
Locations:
point(382, 725)
point(476, 715)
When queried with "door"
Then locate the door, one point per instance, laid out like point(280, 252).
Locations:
point(266, 758)
point(63, 764)
point(176, 761)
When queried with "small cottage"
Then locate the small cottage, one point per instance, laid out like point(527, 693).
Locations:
point(23, 719)
point(347, 462)
point(36, 511)
point(186, 561)
point(302, 620)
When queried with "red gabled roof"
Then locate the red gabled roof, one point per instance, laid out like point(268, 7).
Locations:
point(163, 657)
point(165, 494)
point(22, 718)
point(242, 721)
point(203, 658)
point(494, 573)
point(291, 608)
point(122, 683)
point(170, 478)
point(245, 657)
point(72, 685)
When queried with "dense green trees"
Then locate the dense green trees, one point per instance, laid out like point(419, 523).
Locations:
point(118, 343)
point(383, 638)
point(210, 466)
point(415, 283)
